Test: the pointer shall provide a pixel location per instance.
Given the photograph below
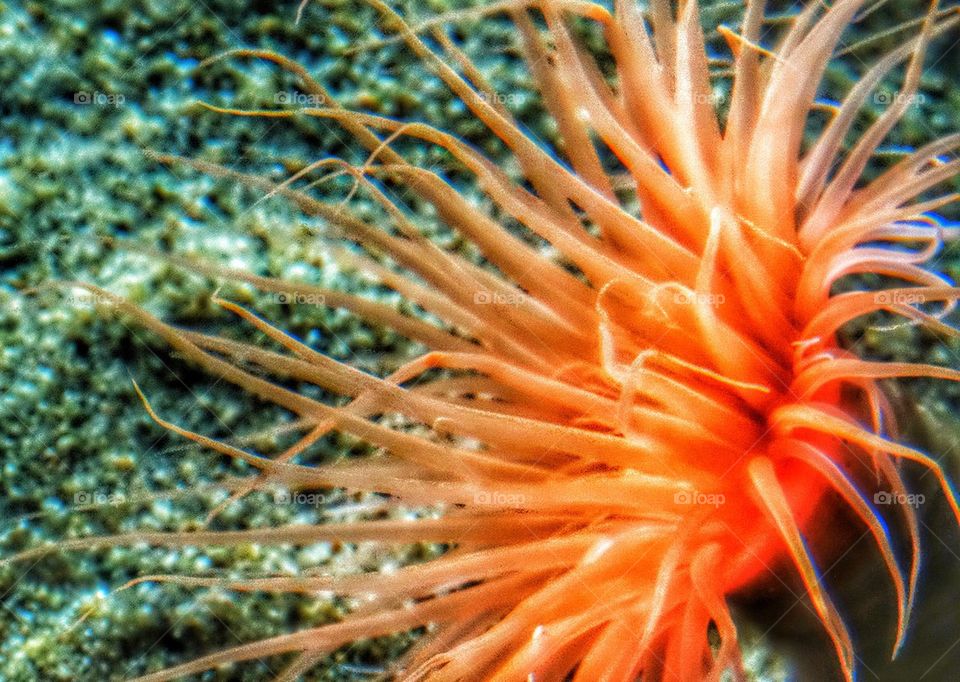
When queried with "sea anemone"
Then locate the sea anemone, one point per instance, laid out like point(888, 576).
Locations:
point(635, 405)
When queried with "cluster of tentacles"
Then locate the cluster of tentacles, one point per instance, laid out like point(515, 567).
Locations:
point(635, 426)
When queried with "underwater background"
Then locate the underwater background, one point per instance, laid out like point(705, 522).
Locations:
point(85, 89)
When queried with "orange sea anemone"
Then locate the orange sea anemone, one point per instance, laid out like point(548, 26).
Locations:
point(638, 413)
